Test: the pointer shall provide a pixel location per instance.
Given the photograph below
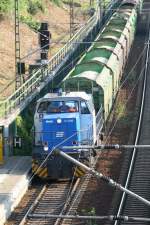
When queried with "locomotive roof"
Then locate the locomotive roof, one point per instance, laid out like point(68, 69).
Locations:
point(68, 95)
point(134, 2)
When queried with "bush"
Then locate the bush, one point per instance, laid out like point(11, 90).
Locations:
point(57, 2)
point(30, 22)
point(5, 6)
point(23, 132)
point(34, 7)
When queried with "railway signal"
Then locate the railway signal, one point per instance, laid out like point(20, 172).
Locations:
point(44, 36)
point(44, 40)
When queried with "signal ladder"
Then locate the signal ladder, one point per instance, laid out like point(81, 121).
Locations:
point(17, 44)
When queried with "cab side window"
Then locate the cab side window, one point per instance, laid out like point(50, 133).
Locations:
point(84, 108)
point(42, 107)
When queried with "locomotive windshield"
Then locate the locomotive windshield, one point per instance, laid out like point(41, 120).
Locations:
point(58, 107)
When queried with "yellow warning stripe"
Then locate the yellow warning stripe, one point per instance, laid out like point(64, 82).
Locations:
point(79, 172)
point(41, 172)
point(34, 168)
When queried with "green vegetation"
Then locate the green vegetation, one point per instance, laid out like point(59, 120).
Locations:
point(24, 125)
point(28, 8)
point(5, 6)
point(90, 212)
point(120, 110)
point(124, 117)
point(57, 2)
point(35, 6)
point(30, 22)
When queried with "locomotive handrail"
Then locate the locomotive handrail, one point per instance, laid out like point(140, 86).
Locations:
point(30, 86)
point(99, 120)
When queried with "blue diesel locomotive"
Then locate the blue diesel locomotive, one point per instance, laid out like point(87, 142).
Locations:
point(66, 119)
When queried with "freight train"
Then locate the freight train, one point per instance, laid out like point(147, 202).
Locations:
point(75, 115)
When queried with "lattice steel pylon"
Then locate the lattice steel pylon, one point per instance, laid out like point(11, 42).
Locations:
point(71, 18)
point(17, 45)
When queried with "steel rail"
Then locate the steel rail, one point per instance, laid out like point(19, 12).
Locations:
point(72, 209)
point(66, 206)
point(122, 202)
point(32, 206)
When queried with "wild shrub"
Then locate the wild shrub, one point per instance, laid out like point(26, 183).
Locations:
point(23, 132)
point(30, 22)
point(34, 7)
point(120, 110)
point(5, 6)
point(57, 2)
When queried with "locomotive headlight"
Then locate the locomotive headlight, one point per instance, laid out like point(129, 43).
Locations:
point(45, 146)
point(59, 121)
point(74, 142)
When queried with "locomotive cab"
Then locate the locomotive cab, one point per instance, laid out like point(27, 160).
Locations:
point(66, 120)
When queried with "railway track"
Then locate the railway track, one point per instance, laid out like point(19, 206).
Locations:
point(53, 199)
point(76, 201)
point(138, 179)
point(57, 198)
